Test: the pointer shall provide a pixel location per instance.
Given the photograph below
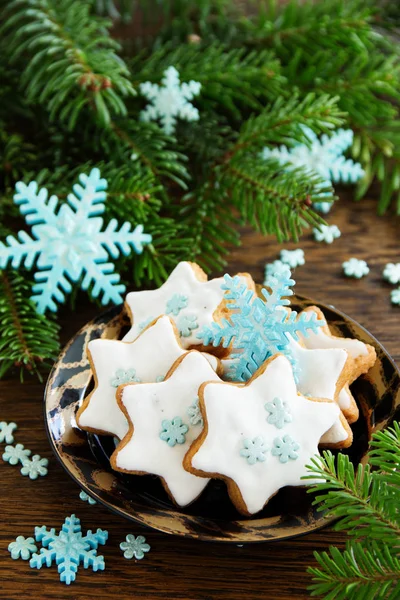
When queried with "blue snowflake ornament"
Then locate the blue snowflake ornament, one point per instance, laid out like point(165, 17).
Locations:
point(326, 233)
point(275, 269)
point(121, 377)
point(134, 547)
point(323, 207)
point(293, 258)
point(68, 549)
point(69, 245)
point(174, 431)
point(285, 448)
point(22, 548)
point(175, 304)
point(6, 432)
point(323, 156)
point(355, 267)
point(170, 100)
point(254, 450)
point(15, 454)
point(279, 413)
point(194, 414)
point(35, 466)
point(258, 328)
point(391, 273)
point(186, 324)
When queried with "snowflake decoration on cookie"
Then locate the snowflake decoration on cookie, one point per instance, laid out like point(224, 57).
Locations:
point(293, 258)
point(258, 328)
point(279, 413)
point(35, 466)
point(122, 376)
point(254, 450)
point(69, 548)
point(173, 432)
point(285, 448)
point(326, 233)
point(323, 156)
point(175, 304)
point(186, 324)
point(70, 246)
point(15, 454)
point(355, 267)
point(22, 548)
point(86, 498)
point(275, 269)
point(194, 413)
point(134, 547)
point(170, 100)
point(391, 273)
point(6, 432)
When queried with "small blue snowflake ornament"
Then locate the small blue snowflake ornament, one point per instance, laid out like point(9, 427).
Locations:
point(15, 454)
point(6, 432)
point(69, 245)
point(285, 448)
point(355, 267)
point(121, 377)
point(279, 414)
point(324, 156)
point(173, 432)
point(326, 233)
point(194, 413)
point(22, 548)
point(323, 207)
point(35, 466)
point(170, 100)
point(68, 549)
point(391, 273)
point(134, 547)
point(254, 450)
point(395, 297)
point(275, 269)
point(186, 324)
point(293, 258)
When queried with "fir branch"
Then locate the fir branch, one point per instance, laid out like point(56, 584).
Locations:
point(72, 62)
point(27, 339)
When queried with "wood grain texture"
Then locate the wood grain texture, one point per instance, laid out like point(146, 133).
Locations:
point(178, 568)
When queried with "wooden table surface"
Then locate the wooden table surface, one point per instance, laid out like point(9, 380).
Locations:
point(179, 568)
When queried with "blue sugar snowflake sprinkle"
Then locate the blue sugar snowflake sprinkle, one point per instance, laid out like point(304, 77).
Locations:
point(275, 269)
point(194, 413)
point(390, 273)
point(68, 549)
point(121, 376)
point(176, 304)
point(173, 432)
point(86, 498)
point(323, 207)
point(134, 547)
point(145, 323)
point(186, 324)
point(395, 297)
point(322, 156)
point(70, 246)
point(293, 258)
point(258, 328)
point(285, 448)
point(16, 454)
point(170, 100)
point(35, 466)
point(326, 233)
point(22, 548)
point(6, 432)
point(279, 413)
point(355, 267)
point(254, 450)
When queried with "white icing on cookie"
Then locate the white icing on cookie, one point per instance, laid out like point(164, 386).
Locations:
point(189, 302)
point(236, 414)
point(317, 372)
point(344, 399)
point(146, 359)
point(148, 406)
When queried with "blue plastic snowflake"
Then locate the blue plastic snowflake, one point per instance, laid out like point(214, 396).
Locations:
point(194, 413)
point(6, 432)
point(355, 267)
point(169, 101)
point(293, 258)
point(279, 413)
point(35, 466)
point(285, 448)
point(176, 304)
point(70, 245)
point(391, 273)
point(122, 376)
point(173, 432)
point(86, 498)
point(134, 547)
point(22, 548)
point(186, 324)
point(324, 156)
point(254, 450)
point(326, 233)
point(15, 454)
point(69, 548)
point(258, 328)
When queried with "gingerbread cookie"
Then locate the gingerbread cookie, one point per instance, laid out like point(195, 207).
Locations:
point(164, 421)
point(187, 297)
point(115, 363)
point(363, 354)
point(259, 436)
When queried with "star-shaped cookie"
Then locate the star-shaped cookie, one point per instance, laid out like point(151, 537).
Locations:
point(187, 297)
point(364, 357)
point(259, 437)
point(115, 363)
point(163, 424)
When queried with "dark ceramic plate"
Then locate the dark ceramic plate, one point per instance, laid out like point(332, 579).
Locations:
point(212, 517)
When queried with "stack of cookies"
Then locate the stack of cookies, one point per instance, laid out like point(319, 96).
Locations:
point(166, 392)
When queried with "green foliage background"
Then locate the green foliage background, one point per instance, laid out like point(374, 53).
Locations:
point(69, 101)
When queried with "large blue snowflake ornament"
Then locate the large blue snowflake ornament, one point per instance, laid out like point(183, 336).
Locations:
point(322, 156)
point(69, 245)
point(68, 549)
point(258, 328)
